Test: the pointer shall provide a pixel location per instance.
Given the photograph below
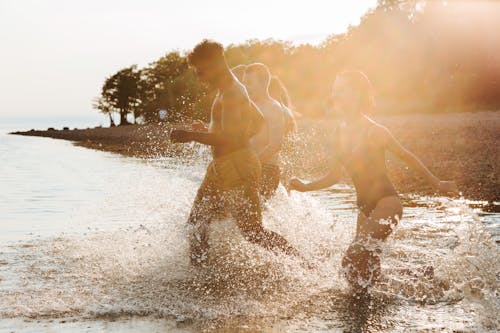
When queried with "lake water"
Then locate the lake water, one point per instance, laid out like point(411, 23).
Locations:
point(96, 242)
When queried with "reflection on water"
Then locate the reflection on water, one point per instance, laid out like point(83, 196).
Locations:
point(92, 239)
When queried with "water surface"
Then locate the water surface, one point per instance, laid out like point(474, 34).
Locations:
point(92, 241)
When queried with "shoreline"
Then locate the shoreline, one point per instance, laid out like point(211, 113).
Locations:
point(464, 147)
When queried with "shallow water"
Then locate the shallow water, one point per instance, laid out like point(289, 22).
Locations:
point(93, 241)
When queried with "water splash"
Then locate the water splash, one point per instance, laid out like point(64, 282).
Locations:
point(139, 267)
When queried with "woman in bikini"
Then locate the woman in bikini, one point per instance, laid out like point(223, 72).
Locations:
point(360, 145)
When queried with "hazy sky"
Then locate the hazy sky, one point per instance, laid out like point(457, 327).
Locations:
point(55, 54)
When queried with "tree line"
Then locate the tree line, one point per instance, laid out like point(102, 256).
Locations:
point(421, 56)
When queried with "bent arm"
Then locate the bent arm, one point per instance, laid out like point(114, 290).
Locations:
point(331, 178)
point(409, 159)
point(210, 139)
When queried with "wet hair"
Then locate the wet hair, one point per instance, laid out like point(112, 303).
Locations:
point(278, 91)
point(238, 71)
point(360, 82)
point(207, 50)
point(261, 70)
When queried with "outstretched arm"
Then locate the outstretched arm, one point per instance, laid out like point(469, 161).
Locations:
point(331, 178)
point(205, 138)
point(415, 164)
point(199, 126)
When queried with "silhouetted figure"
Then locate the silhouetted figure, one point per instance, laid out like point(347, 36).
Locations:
point(233, 177)
point(268, 141)
point(279, 122)
point(360, 145)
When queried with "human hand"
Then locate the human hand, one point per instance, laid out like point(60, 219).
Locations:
point(180, 136)
point(296, 184)
point(198, 126)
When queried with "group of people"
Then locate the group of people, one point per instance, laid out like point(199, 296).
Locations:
point(248, 125)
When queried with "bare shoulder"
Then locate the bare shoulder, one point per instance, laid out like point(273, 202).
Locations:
point(275, 109)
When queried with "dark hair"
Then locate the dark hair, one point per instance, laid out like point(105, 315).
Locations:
point(206, 50)
point(261, 70)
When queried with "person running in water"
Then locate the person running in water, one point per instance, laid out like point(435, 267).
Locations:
point(233, 176)
point(268, 141)
point(279, 120)
point(360, 146)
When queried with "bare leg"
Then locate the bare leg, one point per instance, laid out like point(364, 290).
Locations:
point(362, 259)
point(270, 181)
point(249, 219)
point(205, 206)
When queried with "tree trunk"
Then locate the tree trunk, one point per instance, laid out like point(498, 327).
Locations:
point(123, 118)
point(111, 121)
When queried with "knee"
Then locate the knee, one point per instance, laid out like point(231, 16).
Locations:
point(361, 262)
point(353, 255)
point(253, 235)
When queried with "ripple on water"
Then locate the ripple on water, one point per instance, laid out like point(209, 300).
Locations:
point(101, 270)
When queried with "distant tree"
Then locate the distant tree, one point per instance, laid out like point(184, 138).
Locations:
point(420, 56)
point(102, 105)
point(170, 84)
point(120, 93)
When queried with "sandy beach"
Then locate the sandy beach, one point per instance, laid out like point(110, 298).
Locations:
point(459, 146)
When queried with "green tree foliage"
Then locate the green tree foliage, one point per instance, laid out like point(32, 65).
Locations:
point(101, 104)
point(421, 56)
point(120, 94)
point(170, 84)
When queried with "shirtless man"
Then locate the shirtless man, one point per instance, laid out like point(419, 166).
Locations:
point(233, 177)
point(268, 141)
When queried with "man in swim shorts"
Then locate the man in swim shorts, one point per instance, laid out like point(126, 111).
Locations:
point(233, 177)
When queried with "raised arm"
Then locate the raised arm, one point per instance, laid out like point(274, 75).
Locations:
point(393, 145)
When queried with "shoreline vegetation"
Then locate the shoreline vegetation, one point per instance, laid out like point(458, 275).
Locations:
point(418, 57)
point(457, 146)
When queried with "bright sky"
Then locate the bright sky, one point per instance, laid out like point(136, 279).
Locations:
point(55, 54)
